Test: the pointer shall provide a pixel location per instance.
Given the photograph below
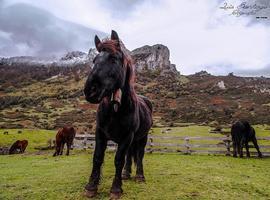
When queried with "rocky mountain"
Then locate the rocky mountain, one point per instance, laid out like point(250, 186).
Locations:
point(49, 94)
point(155, 57)
point(69, 59)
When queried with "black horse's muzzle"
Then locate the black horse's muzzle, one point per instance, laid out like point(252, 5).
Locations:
point(94, 96)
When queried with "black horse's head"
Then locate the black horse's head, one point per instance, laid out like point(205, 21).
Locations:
point(109, 72)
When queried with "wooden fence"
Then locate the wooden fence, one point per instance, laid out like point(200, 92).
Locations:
point(184, 145)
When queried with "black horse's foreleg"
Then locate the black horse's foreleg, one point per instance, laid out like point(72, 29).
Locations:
point(140, 154)
point(127, 169)
point(240, 148)
point(254, 140)
point(92, 185)
point(119, 162)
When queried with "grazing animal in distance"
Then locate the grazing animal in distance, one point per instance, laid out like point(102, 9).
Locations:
point(242, 133)
point(64, 136)
point(122, 116)
point(18, 147)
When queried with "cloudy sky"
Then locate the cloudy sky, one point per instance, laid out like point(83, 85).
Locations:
point(201, 34)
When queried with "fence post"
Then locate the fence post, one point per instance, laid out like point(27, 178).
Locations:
point(187, 145)
point(85, 142)
point(228, 145)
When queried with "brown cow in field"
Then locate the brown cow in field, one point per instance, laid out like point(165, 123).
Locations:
point(64, 136)
point(18, 147)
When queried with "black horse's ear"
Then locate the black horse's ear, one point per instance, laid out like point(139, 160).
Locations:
point(114, 35)
point(97, 42)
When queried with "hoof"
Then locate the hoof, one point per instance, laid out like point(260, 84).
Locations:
point(90, 194)
point(260, 156)
point(126, 176)
point(139, 178)
point(115, 195)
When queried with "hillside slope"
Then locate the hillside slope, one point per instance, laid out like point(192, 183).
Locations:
point(50, 95)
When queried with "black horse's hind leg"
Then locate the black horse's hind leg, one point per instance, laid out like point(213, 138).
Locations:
point(254, 140)
point(127, 169)
point(92, 185)
point(119, 162)
point(247, 149)
point(241, 146)
point(240, 150)
point(139, 158)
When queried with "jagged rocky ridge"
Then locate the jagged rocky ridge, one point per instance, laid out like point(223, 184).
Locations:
point(156, 57)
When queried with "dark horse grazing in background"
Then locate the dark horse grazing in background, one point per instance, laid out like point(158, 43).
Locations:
point(64, 136)
point(242, 133)
point(18, 147)
point(122, 115)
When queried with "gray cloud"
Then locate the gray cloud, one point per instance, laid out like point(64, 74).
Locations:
point(240, 44)
point(261, 72)
point(28, 30)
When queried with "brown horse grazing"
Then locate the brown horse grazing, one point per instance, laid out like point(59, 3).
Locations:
point(64, 136)
point(123, 116)
point(18, 147)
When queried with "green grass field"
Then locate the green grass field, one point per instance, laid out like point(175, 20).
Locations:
point(168, 176)
point(37, 175)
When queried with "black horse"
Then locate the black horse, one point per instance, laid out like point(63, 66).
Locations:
point(122, 116)
point(242, 133)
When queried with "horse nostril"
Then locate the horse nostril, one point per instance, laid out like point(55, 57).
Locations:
point(92, 94)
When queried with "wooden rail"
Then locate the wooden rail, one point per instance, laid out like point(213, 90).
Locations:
point(185, 145)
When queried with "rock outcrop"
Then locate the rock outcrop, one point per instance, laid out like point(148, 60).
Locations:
point(156, 57)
